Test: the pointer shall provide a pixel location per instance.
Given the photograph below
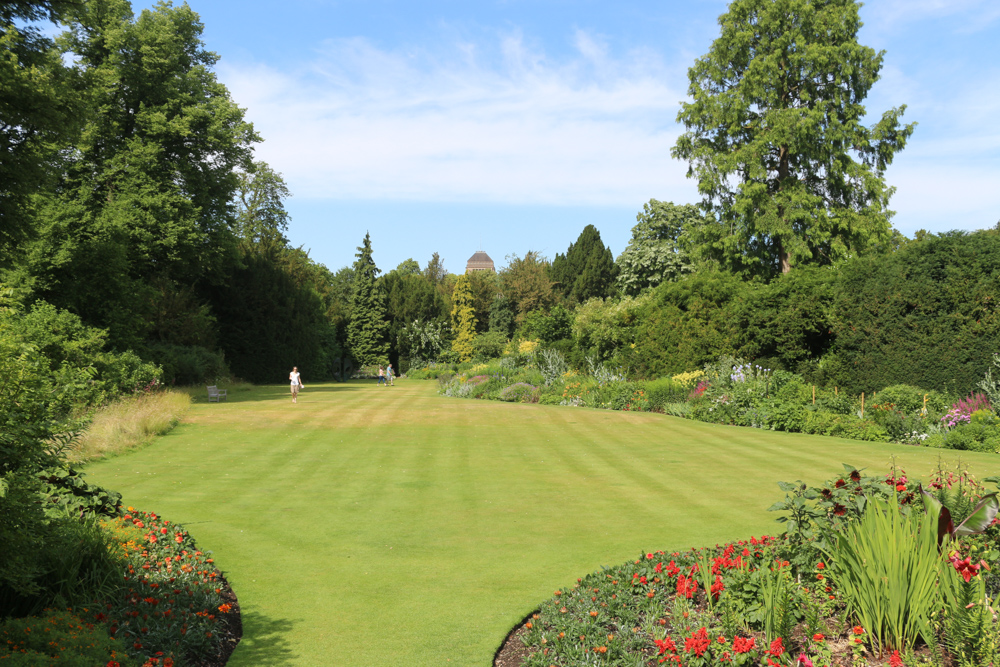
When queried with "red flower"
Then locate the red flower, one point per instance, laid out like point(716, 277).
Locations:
point(840, 483)
point(777, 648)
point(820, 565)
point(895, 660)
point(697, 643)
point(901, 487)
point(818, 637)
point(743, 644)
point(666, 644)
point(965, 568)
point(855, 476)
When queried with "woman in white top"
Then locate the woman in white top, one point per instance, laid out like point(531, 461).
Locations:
point(296, 380)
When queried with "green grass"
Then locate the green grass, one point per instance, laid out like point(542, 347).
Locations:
point(374, 526)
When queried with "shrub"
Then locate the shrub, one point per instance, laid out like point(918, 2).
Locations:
point(126, 373)
point(520, 392)
point(663, 391)
point(489, 345)
point(552, 365)
point(979, 437)
point(909, 399)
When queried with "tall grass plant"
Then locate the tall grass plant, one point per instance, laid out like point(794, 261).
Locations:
point(130, 423)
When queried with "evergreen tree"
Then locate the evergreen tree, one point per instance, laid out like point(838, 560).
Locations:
point(463, 318)
point(502, 315)
point(367, 333)
point(586, 270)
point(775, 139)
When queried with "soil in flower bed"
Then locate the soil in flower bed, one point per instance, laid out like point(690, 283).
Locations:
point(230, 629)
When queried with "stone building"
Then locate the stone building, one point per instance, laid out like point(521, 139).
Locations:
point(480, 262)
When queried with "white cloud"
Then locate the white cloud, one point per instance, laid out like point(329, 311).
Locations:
point(496, 122)
point(503, 122)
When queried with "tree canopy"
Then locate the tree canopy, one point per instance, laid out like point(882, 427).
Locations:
point(656, 252)
point(587, 270)
point(775, 136)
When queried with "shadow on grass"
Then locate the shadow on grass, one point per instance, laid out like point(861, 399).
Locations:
point(264, 642)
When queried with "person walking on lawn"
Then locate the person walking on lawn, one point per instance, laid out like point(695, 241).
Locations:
point(390, 375)
point(381, 376)
point(296, 379)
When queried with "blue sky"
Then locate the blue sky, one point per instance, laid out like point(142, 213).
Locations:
point(510, 125)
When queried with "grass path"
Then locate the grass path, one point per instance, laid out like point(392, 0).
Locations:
point(377, 526)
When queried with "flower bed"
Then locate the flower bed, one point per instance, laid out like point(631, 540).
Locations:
point(731, 391)
point(172, 608)
point(786, 601)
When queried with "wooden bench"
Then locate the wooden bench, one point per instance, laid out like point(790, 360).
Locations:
point(215, 394)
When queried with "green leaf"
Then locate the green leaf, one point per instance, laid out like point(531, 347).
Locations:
point(981, 517)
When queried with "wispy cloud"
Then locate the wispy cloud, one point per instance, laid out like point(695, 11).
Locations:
point(497, 121)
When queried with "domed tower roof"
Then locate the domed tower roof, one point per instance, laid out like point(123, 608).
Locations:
point(479, 262)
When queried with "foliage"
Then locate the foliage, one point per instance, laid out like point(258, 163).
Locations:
point(191, 365)
point(147, 191)
point(546, 327)
point(502, 316)
point(886, 564)
point(261, 217)
point(586, 271)
point(75, 564)
point(552, 364)
point(519, 392)
point(39, 110)
point(463, 319)
point(367, 331)
point(786, 323)
point(775, 139)
point(422, 341)
point(990, 386)
point(66, 494)
point(526, 284)
point(684, 326)
point(923, 316)
point(656, 252)
point(489, 345)
point(60, 638)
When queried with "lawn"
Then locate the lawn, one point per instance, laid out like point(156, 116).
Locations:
point(373, 526)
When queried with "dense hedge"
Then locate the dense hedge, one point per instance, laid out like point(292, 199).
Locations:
point(925, 315)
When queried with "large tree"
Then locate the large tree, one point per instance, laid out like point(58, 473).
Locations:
point(587, 269)
point(526, 284)
point(657, 251)
point(39, 110)
point(147, 194)
point(367, 332)
point(775, 136)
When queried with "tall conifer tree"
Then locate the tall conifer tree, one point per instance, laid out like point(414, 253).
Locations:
point(586, 270)
point(776, 140)
point(367, 333)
